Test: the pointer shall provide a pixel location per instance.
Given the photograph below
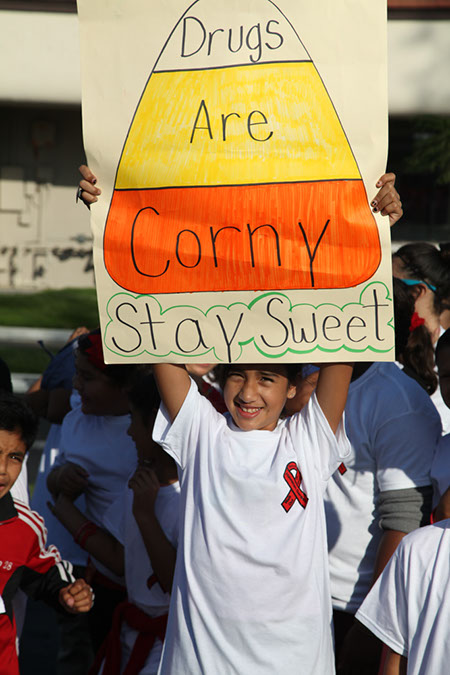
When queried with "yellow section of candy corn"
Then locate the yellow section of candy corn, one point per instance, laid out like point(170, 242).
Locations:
point(263, 123)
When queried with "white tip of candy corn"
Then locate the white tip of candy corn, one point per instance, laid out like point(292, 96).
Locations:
point(229, 33)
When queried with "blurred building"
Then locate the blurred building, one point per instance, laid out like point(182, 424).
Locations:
point(45, 238)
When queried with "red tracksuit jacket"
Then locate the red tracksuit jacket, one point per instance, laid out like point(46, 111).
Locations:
point(25, 563)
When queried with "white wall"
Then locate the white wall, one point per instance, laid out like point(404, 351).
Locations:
point(419, 58)
point(40, 61)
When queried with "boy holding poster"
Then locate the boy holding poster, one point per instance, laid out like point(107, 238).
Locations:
point(251, 590)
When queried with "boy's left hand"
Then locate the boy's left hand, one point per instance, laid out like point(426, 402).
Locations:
point(387, 200)
point(77, 597)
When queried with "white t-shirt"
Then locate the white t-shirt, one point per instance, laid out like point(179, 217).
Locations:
point(251, 590)
point(409, 606)
point(119, 520)
point(101, 445)
point(443, 410)
point(440, 471)
point(20, 488)
point(393, 428)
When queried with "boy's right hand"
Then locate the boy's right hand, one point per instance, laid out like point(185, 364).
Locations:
point(72, 480)
point(87, 190)
point(77, 597)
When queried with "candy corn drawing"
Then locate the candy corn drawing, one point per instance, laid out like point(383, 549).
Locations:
point(236, 173)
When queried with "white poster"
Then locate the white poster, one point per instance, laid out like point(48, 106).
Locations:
point(237, 145)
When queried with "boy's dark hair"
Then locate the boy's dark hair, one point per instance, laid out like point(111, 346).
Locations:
point(292, 370)
point(90, 346)
point(443, 342)
point(143, 394)
point(15, 415)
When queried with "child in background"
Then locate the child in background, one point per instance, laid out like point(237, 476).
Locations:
point(440, 470)
point(64, 640)
point(251, 591)
point(26, 563)
point(385, 491)
point(95, 458)
point(425, 269)
point(409, 606)
point(140, 543)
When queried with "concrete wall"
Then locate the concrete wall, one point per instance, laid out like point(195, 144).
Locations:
point(45, 238)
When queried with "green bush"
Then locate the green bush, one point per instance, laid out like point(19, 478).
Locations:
point(67, 309)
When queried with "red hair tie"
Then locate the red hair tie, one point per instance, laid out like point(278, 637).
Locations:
point(416, 321)
point(95, 351)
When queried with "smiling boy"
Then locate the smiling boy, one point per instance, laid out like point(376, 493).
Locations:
point(251, 590)
point(24, 561)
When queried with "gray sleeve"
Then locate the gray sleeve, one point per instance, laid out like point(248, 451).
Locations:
point(405, 510)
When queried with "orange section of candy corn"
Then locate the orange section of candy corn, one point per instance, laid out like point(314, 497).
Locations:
point(253, 237)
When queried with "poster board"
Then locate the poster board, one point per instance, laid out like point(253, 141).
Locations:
point(237, 145)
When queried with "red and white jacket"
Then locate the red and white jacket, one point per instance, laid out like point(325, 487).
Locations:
point(25, 563)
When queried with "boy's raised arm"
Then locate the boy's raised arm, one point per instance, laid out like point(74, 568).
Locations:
point(173, 384)
point(332, 389)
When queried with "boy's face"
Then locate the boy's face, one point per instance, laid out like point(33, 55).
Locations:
point(12, 454)
point(255, 395)
point(99, 395)
point(141, 433)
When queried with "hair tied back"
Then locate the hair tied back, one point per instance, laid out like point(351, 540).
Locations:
point(416, 321)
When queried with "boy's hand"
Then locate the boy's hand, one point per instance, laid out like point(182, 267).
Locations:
point(87, 190)
point(387, 200)
point(145, 486)
point(77, 597)
point(72, 480)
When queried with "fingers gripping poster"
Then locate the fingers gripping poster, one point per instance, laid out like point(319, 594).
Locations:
point(237, 145)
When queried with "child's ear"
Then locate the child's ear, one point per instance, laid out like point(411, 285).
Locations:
point(292, 391)
point(418, 291)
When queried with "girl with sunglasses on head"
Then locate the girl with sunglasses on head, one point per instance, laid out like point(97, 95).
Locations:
point(425, 270)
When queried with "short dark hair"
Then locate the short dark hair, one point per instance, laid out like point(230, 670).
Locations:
point(443, 342)
point(15, 415)
point(292, 370)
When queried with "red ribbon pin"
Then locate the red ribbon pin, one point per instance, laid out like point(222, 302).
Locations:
point(293, 478)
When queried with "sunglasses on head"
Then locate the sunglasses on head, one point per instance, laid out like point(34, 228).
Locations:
point(415, 282)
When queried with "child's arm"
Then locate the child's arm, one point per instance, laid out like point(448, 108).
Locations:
point(99, 543)
point(162, 555)
point(395, 664)
point(173, 384)
point(77, 597)
point(332, 389)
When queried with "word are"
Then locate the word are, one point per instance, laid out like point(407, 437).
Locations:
point(270, 324)
point(254, 118)
point(196, 37)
